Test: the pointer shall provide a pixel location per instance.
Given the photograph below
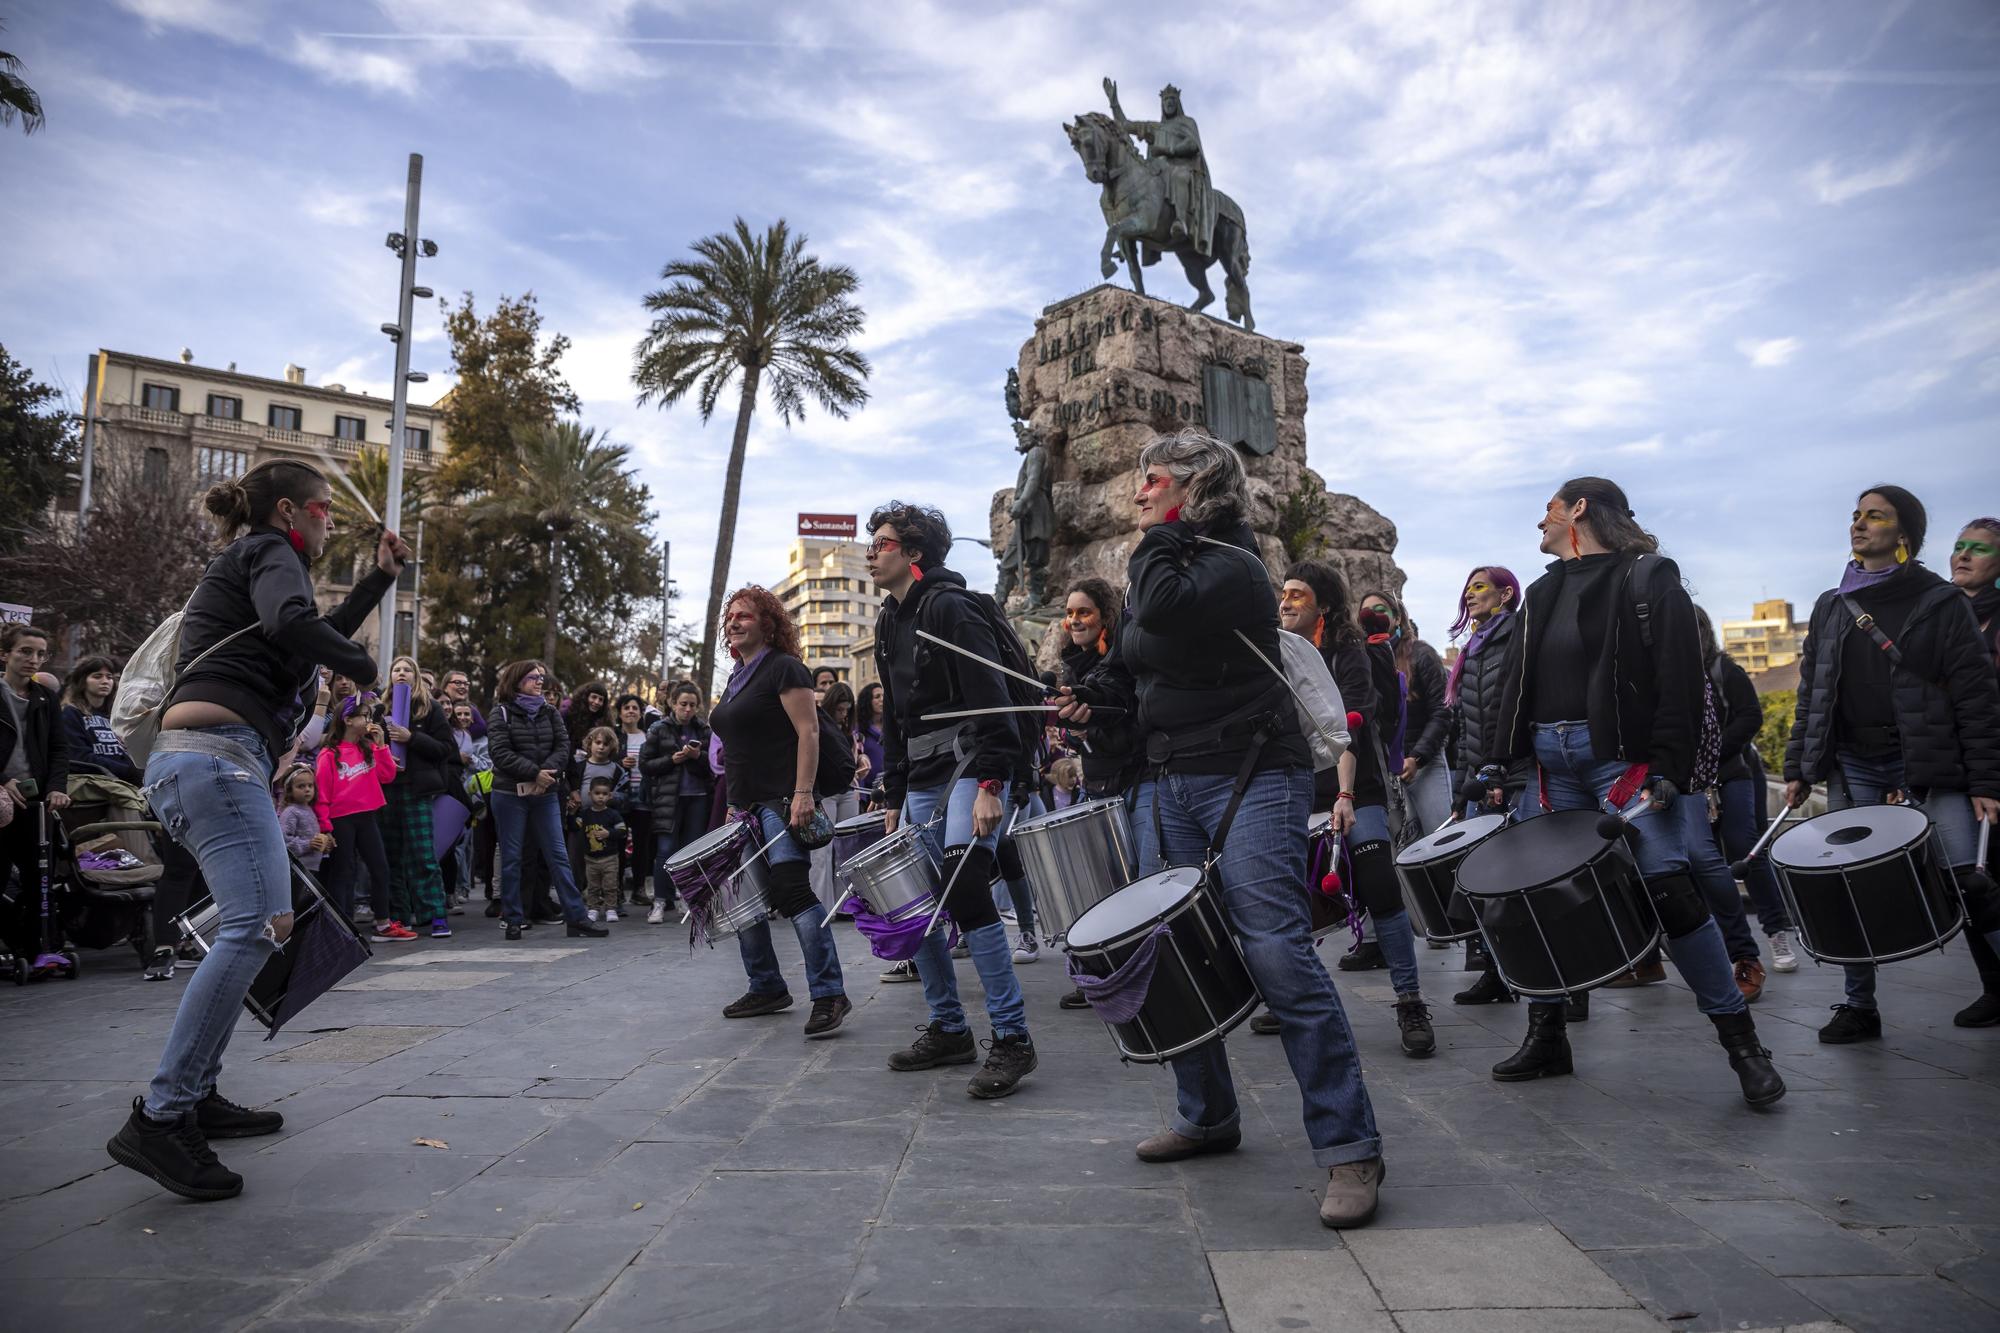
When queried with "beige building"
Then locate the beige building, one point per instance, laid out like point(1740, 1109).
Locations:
point(1769, 638)
point(827, 589)
point(175, 419)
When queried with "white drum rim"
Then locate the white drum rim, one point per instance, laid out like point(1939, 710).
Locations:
point(1071, 814)
point(1145, 926)
point(1408, 856)
point(1791, 835)
point(694, 852)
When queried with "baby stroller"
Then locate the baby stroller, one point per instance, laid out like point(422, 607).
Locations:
point(108, 860)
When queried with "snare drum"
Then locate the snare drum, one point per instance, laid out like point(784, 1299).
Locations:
point(704, 874)
point(851, 837)
point(323, 937)
point(1200, 986)
point(1868, 885)
point(1330, 911)
point(896, 877)
point(1428, 869)
point(1075, 858)
point(1562, 909)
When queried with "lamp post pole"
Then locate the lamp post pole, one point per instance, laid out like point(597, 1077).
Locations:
point(407, 245)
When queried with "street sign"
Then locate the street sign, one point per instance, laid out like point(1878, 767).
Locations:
point(827, 525)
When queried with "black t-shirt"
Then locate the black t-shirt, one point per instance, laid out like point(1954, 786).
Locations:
point(760, 747)
point(601, 830)
point(1561, 688)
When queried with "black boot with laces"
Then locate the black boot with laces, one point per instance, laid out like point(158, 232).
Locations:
point(1008, 1061)
point(221, 1118)
point(174, 1153)
point(1413, 1018)
point(933, 1047)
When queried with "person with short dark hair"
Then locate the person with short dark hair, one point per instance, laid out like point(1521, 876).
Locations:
point(679, 783)
point(34, 768)
point(530, 748)
point(603, 841)
point(824, 679)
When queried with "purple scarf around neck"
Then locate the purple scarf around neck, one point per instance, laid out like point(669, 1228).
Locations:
point(530, 704)
point(1854, 578)
point(739, 676)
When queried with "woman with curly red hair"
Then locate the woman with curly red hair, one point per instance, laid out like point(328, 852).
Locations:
point(768, 722)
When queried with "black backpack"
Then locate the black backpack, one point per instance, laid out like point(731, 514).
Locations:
point(1013, 655)
point(835, 774)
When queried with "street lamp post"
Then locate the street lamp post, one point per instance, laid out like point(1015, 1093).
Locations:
point(406, 245)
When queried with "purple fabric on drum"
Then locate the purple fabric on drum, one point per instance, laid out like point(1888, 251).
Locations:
point(699, 881)
point(1119, 997)
point(895, 941)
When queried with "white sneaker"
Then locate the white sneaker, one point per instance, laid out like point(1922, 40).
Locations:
point(1027, 951)
point(610, 914)
point(590, 914)
point(1782, 957)
point(658, 915)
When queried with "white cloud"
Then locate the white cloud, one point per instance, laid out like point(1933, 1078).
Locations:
point(1769, 352)
point(1831, 183)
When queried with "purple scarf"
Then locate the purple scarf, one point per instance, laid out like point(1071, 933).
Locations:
point(1472, 645)
point(530, 704)
point(740, 674)
point(1854, 578)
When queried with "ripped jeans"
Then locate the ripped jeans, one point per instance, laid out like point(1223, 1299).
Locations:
point(211, 787)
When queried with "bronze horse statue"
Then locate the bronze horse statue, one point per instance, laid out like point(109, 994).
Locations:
point(1139, 218)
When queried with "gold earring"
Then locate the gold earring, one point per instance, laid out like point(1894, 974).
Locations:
point(1903, 551)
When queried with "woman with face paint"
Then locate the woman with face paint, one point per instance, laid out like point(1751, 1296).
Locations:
point(1975, 568)
point(1486, 608)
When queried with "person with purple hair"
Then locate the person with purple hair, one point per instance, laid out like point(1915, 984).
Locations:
point(1486, 607)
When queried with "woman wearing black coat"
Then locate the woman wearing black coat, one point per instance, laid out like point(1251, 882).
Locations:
point(679, 786)
point(530, 749)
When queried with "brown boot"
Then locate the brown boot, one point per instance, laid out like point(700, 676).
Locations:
point(1750, 978)
point(1167, 1146)
point(1352, 1191)
point(1645, 974)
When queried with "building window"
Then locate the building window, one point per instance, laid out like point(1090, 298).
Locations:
point(284, 418)
point(350, 428)
point(157, 465)
point(416, 438)
point(212, 466)
point(222, 405)
point(163, 397)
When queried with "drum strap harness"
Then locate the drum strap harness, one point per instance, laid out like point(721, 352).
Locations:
point(1866, 624)
point(1160, 747)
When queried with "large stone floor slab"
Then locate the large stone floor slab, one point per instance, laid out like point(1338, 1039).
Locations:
point(619, 1156)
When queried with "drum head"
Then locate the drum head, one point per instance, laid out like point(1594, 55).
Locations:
point(1139, 902)
point(1072, 814)
point(1534, 851)
point(1454, 839)
point(896, 844)
point(707, 844)
point(859, 823)
point(1850, 837)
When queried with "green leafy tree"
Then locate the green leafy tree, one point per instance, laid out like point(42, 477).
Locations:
point(1776, 733)
point(40, 446)
point(16, 97)
point(1301, 520)
point(756, 310)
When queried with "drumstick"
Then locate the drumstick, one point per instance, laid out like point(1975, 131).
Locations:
point(963, 652)
point(748, 859)
point(1108, 710)
point(1741, 869)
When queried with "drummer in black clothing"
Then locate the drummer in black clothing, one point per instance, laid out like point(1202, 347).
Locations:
point(1912, 716)
point(1607, 699)
point(1220, 729)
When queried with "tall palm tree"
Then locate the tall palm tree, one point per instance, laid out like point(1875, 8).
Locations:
point(762, 306)
point(16, 97)
point(562, 474)
point(356, 531)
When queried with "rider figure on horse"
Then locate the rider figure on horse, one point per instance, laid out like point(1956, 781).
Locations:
point(1174, 141)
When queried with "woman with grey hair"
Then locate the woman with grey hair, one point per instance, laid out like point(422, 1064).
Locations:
point(1219, 729)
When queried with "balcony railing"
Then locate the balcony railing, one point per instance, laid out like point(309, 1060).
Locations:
point(185, 423)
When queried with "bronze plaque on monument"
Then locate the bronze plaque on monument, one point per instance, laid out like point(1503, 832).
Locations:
point(1238, 408)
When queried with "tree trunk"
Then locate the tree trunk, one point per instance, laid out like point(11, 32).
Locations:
point(555, 600)
point(725, 529)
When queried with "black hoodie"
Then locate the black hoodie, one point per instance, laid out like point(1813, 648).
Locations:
point(918, 677)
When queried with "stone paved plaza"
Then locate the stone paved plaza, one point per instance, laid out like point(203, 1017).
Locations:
point(614, 1154)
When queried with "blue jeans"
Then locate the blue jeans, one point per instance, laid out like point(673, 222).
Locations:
point(1578, 780)
point(690, 822)
point(1711, 873)
point(517, 819)
point(1738, 829)
point(1018, 895)
point(992, 954)
point(1864, 781)
point(760, 960)
point(221, 811)
point(1263, 864)
point(1430, 795)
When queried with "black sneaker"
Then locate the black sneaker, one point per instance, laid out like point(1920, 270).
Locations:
point(513, 931)
point(586, 930)
point(221, 1118)
point(933, 1048)
point(1413, 1017)
point(827, 1015)
point(1365, 957)
point(1850, 1025)
point(174, 1154)
point(1264, 1023)
point(492, 907)
point(160, 966)
point(1008, 1061)
point(1983, 1012)
point(751, 1005)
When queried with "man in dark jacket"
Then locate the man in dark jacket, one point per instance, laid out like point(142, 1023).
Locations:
point(954, 772)
point(33, 754)
point(1607, 697)
point(1911, 714)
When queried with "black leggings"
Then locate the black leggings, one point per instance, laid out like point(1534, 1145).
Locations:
point(970, 901)
point(357, 846)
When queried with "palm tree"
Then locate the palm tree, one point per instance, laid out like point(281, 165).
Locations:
point(356, 530)
point(763, 306)
point(16, 97)
point(562, 474)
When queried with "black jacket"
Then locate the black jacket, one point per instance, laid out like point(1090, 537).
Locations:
point(1475, 722)
point(1742, 715)
point(430, 759)
point(47, 746)
point(267, 676)
point(1353, 667)
point(663, 775)
point(1644, 703)
point(1428, 720)
point(1178, 661)
point(522, 746)
point(918, 677)
point(1110, 761)
point(1944, 698)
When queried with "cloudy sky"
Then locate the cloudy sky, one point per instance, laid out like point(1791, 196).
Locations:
point(1742, 257)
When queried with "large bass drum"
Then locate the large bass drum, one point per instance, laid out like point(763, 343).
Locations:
point(1868, 885)
point(1428, 868)
point(1164, 945)
point(1562, 909)
point(1074, 859)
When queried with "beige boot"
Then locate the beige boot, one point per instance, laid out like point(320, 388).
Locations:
point(1351, 1193)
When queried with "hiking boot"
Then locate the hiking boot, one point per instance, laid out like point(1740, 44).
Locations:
point(1544, 1051)
point(1264, 1023)
point(903, 971)
point(1073, 1000)
point(753, 1005)
point(1750, 979)
point(1364, 957)
point(1413, 1019)
point(1170, 1146)
point(935, 1047)
point(1850, 1024)
point(1352, 1190)
point(1009, 1059)
point(1489, 989)
point(220, 1118)
point(1747, 1056)
point(174, 1154)
point(827, 1015)
point(1983, 1012)
point(160, 967)
point(1645, 974)
point(1782, 957)
point(1027, 951)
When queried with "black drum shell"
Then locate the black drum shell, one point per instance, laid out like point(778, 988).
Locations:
point(268, 988)
point(1430, 888)
point(1880, 911)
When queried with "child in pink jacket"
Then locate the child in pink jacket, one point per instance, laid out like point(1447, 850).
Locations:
point(353, 766)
